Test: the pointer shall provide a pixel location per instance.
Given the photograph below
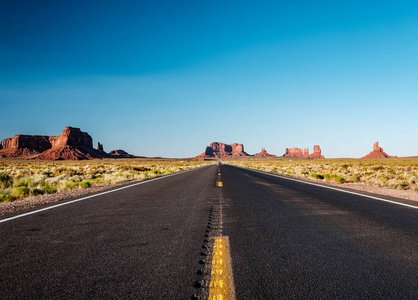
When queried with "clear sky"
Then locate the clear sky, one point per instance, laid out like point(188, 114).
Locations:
point(167, 78)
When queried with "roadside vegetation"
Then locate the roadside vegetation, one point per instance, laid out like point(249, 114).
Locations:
point(401, 173)
point(20, 179)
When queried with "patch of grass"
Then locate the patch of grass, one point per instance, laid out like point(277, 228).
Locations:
point(20, 192)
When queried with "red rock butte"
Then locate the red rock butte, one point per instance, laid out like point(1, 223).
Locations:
point(221, 150)
point(377, 153)
point(264, 153)
point(72, 144)
point(304, 153)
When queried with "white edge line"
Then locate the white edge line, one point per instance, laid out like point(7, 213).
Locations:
point(92, 196)
point(330, 188)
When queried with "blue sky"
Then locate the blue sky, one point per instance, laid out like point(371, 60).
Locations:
point(167, 78)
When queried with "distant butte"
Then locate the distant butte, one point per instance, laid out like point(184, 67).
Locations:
point(304, 153)
point(122, 154)
point(377, 153)
point(221, 150)
point(264, 153)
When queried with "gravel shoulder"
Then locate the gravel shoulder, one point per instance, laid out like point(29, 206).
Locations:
point(403, 194)
point(36, 201)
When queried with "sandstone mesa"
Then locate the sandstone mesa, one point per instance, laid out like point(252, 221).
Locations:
point(304, 153)
point(221, 150)
point(72, 144)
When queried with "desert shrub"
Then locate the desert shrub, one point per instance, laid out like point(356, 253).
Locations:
point(22, 181)
point(68, 185)
point(20, 191)
point(37, 192)
point(327, 177)
point(5, 181)
point(412, 180)
point(38, 179)
point(5, 198)
point(398, 184)
point(377, 168)
point(49, 189)
point(141, 169)
point(337, 179)
point(76, 178)
point(85, 184)
point(317, 176)
point(352, 178)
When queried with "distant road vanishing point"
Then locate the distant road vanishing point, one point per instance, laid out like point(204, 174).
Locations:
point(217, 232)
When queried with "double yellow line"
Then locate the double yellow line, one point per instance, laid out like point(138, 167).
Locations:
point(222, 281)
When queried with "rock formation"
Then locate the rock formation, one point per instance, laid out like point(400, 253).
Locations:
point(221, 150)
point(304, 153)
point(72, 144)
point(25, 145)
point(100, 147)
point(264, 153)
point(378, 152)
point(122, 154)
point(317, 153)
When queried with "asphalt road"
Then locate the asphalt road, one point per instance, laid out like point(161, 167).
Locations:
point(287, 240)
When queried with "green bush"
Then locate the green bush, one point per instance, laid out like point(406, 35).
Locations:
point(22, 181)
point(327, 177)
point(5, 198)
point(4, 181)
point(317, 176)
point(69, 185)
point(337, 179)
point(20, 191)
point(85, 184)
point(37, 192)
point(49, 189)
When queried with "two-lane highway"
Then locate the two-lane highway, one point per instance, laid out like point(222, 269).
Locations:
point(287, 239)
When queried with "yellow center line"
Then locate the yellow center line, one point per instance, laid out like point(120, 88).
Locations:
point(221, 285)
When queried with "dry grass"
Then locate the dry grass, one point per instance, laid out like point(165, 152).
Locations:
point(400, 173)
point(21, 178)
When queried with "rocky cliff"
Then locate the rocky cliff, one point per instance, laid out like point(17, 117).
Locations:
point(304, 153)
point(25, 145)
point(378, 152)
point(221, 150)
